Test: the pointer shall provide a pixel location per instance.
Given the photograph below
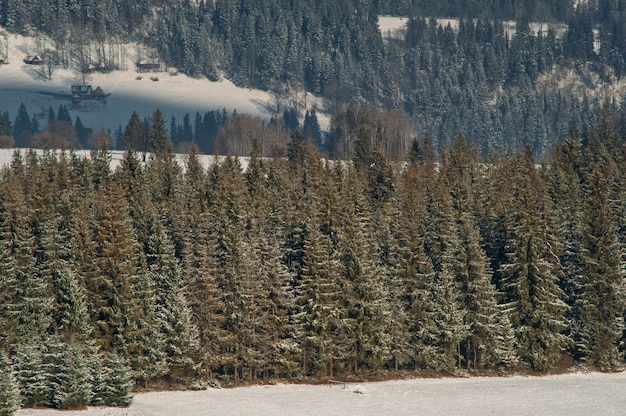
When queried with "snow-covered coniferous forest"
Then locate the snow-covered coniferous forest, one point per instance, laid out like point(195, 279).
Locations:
point(427, 202)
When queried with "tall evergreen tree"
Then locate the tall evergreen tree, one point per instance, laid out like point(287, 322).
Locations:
point(26, 306)
point(116, 264)
point(134, 135)
point(10, 399)
point(532, 275)
point(160, 142)
point(319, 322)
point(366, 287)
point(599, 306)
point(22, 128)
point(178, 333)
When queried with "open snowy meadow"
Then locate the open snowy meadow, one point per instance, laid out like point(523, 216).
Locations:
point(572, 395)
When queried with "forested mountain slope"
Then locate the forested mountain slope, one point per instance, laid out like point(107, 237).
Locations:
point(500, 91)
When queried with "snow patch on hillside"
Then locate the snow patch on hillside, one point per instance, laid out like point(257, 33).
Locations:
point(175, 94)
point(581, 81)
point(394, 27)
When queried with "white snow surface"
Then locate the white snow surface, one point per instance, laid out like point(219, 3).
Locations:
point(175, 94)
point(578, 394)
point(7, 155)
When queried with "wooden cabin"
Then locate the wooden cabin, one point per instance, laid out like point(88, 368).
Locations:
point(148, 67)
point(33, 60)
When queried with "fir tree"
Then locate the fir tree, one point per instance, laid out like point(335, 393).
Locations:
point(179, 335)
point(160, 142)
point(26, 306)
point(365, 284)
point(532, 275)
point(116, 262)
point(22, 128)
point(320, 317)
point(69, 381)
point(10, 399)
point(31, 373)
point(134, 135)
point(411, 282)
point(112, 383)
point(599, 306)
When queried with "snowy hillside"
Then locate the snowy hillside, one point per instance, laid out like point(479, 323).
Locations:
point(394, 26)
point(175, 94)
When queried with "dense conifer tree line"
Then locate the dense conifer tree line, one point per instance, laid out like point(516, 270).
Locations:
point(299, 267)
point(477, 78)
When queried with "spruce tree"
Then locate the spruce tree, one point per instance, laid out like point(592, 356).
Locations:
point(69, 379)
point(233, 256)
point(532, 276)
point(134, 136)
point(27, 300)
point(22, 128)
point(442, 341)
point(320, 315)
point(489, 341)
point(178, 333)
point(116, 262)
point(160, 142)
point(112, 383)
point(411, 282)
point(599, 306)
point(565, 188)
point(32, 374)
point(366, 287)
point(10, 399)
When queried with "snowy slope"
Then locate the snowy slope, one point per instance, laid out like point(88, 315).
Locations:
point(568, 395)
point(173, 94)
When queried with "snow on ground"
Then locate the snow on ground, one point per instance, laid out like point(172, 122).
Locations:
point(6, 156)
point(579, 394)
point(175, 94)
point(392, 26)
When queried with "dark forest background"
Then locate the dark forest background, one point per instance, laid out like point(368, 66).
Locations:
point(500, 90)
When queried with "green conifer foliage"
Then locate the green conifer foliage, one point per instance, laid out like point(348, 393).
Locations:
point(134, 136)
point(489, 333)
point(564, 183)
point(411, 274)
point(321, 316)
point(532, 276)
point(161, 144)
point(599, 306)
point(10, 399)
point(366, 288)
point(234, 268)
point(178, 333)
point(69, 378)
point(31, 373)
point(26, 306)
point(112, 382)
point(116, 261)
point(442, 341)
point(101, 161)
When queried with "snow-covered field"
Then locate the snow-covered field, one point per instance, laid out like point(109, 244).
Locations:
point(580, 394)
